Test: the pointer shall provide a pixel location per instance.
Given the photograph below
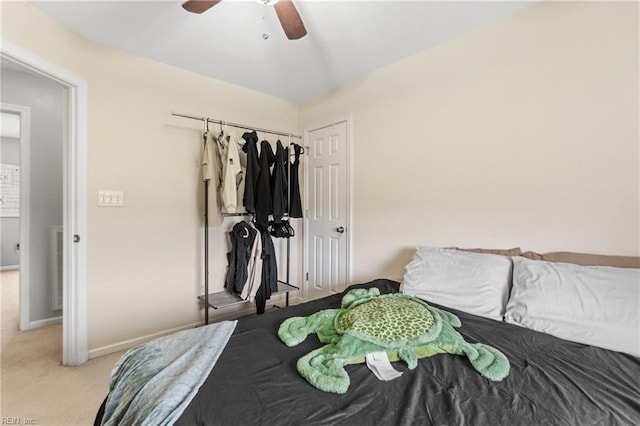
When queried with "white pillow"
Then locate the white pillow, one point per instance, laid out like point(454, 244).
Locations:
point(595, 305)
point(476, 283)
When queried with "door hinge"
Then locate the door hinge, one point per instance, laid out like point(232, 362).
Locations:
point(306, 150)
point(76, 238)
point(307, 275)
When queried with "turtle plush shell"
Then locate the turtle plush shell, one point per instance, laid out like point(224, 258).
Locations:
point(390, 320)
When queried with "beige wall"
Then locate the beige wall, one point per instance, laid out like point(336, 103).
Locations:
point(147, 256)
point(32, 30)
point(524, 132)
point(145, 259)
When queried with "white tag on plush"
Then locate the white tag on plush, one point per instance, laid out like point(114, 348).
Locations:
point(379, 364)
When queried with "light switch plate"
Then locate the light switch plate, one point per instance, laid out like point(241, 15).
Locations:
point(109, 198)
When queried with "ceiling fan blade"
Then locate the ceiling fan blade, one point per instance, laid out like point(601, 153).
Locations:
point(290, 19)
point(199, 6)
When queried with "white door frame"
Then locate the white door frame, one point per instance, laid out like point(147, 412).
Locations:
point(348, 119)
point(25, 129)
point(74, 321)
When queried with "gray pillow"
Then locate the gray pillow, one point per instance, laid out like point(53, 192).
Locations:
point(476, 283)
point(595, 305)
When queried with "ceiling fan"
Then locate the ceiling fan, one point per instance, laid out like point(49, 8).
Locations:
point(285, 9)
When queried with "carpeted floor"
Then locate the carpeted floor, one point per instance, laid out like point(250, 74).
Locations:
point(34, 386)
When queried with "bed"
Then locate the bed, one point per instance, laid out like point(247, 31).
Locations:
point(552, 381)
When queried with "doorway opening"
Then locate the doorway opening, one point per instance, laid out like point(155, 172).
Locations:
point(72, 220)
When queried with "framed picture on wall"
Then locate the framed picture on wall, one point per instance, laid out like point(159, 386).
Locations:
point(9, 190)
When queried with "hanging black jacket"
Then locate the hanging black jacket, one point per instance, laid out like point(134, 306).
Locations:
point(242, 237)
point(269, 283)
point(253, 170)
point(295, 203)
point(263, 200)
point(279, 183)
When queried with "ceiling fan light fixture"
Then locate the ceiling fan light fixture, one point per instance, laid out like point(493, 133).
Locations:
point(287, 14)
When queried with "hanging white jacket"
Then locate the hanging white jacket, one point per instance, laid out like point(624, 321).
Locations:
point(212, 172)
point(232, 173)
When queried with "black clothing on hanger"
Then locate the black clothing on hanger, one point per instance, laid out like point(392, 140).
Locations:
point(242, 236)
point(253, 170)
point(263, 199)
point(279, 183)
point(295, 203)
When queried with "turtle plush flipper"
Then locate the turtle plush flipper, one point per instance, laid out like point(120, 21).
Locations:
point(324, 369)
point(408, 356)
point(489, 362)
point(359, 294)
point(295, 329)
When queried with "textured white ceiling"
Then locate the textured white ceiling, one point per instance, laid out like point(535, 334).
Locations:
point(345, 40)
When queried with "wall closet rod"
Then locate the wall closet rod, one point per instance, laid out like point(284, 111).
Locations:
point(240, 126)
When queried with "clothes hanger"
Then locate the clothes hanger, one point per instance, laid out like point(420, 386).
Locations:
point(291, 149)
point(226, 132)
point(220, 138)
point(206, 130)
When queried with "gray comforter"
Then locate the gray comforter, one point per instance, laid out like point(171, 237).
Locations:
point(551, 382)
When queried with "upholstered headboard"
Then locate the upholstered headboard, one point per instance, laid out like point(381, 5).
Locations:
point(585, 259)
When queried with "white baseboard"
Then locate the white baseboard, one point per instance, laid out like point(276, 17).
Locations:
point(9, 268)
point(296, 300)
point(128, 344)
point(44, 322)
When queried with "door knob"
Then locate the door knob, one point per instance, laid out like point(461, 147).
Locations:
point(340, 229)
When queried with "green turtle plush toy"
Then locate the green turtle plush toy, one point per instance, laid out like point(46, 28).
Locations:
point(405, 327)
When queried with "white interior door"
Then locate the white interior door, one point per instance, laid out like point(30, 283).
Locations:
point(328, 213)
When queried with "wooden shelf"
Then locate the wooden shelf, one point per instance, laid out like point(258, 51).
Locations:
point(223, 299)
point(285, 288)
